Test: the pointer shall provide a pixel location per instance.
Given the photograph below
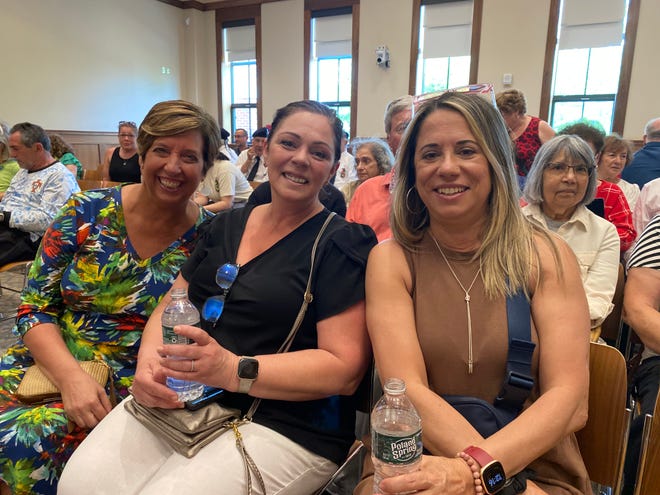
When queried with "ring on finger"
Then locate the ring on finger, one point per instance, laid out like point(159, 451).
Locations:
point(192, 365)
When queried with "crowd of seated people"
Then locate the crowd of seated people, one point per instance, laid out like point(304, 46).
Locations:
point(447, 214)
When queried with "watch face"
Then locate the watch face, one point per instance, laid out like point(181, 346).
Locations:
point(493, 477)
point(248, 368)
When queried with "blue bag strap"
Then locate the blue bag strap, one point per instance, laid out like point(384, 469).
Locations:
point(518, 380)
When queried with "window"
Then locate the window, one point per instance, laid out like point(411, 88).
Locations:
point(331, 61)
point(239, 71)
point(445, 35)
point(588, 61)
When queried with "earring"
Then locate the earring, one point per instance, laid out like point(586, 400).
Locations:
point(410, 210)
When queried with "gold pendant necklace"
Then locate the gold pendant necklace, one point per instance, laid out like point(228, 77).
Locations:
point(467, 301)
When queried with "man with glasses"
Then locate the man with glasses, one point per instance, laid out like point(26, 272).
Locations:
point(240, 143)
point(34, 195)
point(370, 204)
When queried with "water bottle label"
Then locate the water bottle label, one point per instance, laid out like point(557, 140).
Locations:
point(397, 450)
point(169, 337)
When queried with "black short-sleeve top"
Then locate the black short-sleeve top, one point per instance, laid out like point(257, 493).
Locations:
point(262, 305)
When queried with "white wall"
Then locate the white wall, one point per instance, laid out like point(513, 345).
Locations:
point(513, 36)
point(644, 99)
point(86, 64)
point(282, 55)
point(382, 22)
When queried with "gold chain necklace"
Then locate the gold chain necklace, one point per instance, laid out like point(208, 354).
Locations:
point(467, 301)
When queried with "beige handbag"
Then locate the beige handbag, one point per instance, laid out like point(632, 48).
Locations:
point(36, 388)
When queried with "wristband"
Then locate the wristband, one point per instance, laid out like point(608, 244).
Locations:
point(474, 467)
point(491, 473)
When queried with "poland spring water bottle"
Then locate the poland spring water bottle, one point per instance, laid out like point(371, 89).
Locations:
point(396, 433)
point(180, 311)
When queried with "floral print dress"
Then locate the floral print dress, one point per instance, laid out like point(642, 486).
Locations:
point(88, 280)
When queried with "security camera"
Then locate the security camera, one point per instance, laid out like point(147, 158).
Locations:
point(382, 56)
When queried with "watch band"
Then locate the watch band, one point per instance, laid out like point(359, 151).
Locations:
point(482, 457)
point(245, 384)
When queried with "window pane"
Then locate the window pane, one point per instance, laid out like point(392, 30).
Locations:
point(245, 118)
point(328, 81)
point(459, 71)
point(571, 71)
point(344, 114)
point(604, 68)
point(566, 111)
point(240, 83)
point(345, 79)
point(253, 83)
point(434, 74)
point(601, 111)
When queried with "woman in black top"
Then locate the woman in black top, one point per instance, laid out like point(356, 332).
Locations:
point(121, 163)
point(305, 422)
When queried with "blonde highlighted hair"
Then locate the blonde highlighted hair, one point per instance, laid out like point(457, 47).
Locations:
point(506, 243)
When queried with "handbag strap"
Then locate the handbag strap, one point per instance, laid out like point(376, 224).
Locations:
point(518, 380)
point(308, 297)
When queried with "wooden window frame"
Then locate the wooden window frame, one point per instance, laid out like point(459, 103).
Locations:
point(229, 15)
point(621, 99)
point(315, 5)
point(475, 42)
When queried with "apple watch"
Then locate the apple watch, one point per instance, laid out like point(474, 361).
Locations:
point(492, 473)
point(248, 370)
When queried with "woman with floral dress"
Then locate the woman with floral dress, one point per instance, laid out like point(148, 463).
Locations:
point(103, 266)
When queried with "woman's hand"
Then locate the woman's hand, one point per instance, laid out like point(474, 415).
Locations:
point(205, 361)
point(85, 401)
point(149, 387)
point(436, 475)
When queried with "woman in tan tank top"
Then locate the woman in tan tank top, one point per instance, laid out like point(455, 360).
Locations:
point(436, 299)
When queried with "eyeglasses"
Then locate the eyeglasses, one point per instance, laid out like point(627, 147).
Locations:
point(214, 305)
point(561, 169)
point(126, 135)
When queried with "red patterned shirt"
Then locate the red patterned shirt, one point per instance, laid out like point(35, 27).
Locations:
point(617, 212)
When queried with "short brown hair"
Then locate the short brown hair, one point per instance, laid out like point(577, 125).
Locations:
point(511, 101)
point(169, 118)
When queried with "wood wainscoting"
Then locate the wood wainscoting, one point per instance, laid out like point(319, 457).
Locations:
point(89, 147)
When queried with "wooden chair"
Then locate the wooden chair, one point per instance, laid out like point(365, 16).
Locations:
point(648, 472)
point(611, 326)
point(603, 440)
point(92, 174)
point(87, 184)
point(23, 267)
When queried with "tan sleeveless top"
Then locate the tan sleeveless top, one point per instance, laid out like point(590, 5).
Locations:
point(441, 321)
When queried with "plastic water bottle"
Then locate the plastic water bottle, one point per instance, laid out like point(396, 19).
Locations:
point(396, 434)
point(180, 311)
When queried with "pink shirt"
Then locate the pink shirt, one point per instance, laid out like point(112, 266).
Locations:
point(370, 205)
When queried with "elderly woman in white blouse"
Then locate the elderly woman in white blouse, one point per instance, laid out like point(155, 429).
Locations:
point(561, 182)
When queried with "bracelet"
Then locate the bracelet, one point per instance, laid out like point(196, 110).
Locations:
point(476, 472)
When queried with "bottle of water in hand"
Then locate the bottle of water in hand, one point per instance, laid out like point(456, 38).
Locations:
point(396, 433)
point(180, 311)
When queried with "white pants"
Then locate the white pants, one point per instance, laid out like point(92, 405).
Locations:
point(122, 457)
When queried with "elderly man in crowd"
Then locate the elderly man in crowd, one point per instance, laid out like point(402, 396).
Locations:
point(370, 204)
point(240, 143)
point(251, 161)
point(645, 165)
point(34, 195)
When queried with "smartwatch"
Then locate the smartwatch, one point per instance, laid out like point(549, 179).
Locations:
point(248, 370)
point(492, 473)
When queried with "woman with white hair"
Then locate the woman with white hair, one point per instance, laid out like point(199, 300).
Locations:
point(562, 181)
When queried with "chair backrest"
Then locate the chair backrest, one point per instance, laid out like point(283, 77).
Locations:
point(603, 440)
point(86, 184)
point(92, 173)
point(612, 324)
point(648, 472)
